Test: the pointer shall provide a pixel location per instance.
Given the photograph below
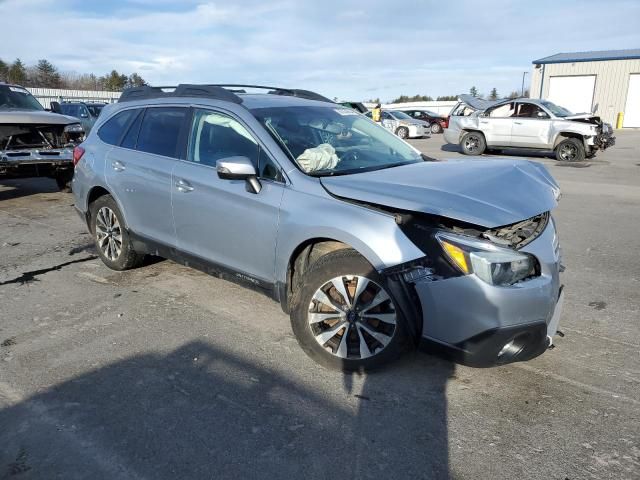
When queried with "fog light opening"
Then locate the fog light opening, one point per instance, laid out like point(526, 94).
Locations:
point(512, 349)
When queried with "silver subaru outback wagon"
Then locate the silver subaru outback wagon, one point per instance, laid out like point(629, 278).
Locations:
point(368, 245)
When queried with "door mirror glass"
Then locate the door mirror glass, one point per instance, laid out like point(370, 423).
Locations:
point(542, 114)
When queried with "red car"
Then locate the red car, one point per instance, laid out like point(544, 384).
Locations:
point(436, 121)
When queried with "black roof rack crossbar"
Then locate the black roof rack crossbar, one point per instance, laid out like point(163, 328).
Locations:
point(182, 90)
point(293, 92)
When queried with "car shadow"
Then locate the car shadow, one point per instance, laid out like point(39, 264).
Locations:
point(201, 412)
point(22, 187)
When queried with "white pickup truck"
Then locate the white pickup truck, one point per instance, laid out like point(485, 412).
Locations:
point(525, 123)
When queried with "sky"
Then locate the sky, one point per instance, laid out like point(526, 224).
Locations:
point(353, 50)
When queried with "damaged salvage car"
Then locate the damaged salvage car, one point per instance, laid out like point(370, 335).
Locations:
point(530, 124)
point(367, 244)
point(34, 142)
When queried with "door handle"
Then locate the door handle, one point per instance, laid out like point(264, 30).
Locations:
point(484, 121)
point(183, 186)
point(117, 165)
point(518, 123)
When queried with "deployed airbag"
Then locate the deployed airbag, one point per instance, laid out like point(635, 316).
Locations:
point(318, 158)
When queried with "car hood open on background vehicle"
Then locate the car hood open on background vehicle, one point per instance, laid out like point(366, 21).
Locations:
point(486, 193)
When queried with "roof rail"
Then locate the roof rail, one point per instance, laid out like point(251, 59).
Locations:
point(182, 90)
point(293, 92)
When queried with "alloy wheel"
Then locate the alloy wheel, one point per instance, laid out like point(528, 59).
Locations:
point(352, 317)
point(108, 233)
point(568, 152)
point(472, 143)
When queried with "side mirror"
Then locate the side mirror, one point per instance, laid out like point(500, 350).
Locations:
point(84, 115)
point(239, 168)
point(55, 107)
point(542, 115)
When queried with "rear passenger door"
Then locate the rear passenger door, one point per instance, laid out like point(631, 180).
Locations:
point(138, 170)
point(496, 124)
point(219, 220)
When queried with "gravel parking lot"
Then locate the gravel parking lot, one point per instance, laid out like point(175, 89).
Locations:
point(164, 372)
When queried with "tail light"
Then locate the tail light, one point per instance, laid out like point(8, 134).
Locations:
point(77, 155)
point(446, 122)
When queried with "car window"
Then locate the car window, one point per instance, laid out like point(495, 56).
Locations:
point(215, 136)
point(502, 111)
point(387, 116)
point(71, 110)
point(530, 110)
point(131, 137)
point(112, 130)
point(267, 168)
point(160, 130)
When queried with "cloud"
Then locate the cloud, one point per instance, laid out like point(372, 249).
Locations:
point(350, 49)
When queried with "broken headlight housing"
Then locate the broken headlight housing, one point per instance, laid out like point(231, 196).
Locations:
point(493, 264)
point(74, 128)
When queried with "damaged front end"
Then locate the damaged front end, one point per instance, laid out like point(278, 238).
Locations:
point(484, 296)
point(601, 136)
point(33, 150)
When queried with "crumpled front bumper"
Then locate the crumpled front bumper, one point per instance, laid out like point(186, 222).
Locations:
point(475, 321)
point(36, 163)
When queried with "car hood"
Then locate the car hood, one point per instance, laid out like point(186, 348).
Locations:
point(35, 117)
point(487, 193)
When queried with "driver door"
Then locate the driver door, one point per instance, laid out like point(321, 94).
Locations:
point(219, 220)
point(531, 127)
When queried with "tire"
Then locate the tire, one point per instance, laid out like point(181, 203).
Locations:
point(64, 182)
point(320, 326)
point(473, 143)
point(110, 232)
point(402, 132)
point(436, 128)
point(570, 150)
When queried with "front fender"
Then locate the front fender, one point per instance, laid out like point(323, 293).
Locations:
point(374, 234)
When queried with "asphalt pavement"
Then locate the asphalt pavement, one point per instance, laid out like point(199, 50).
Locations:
point(163, 372)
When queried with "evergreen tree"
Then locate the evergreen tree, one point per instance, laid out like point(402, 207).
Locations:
point(473, 91)
point(46, 75)
point(17, 73)
point(135, 80)
point(4, 71)
point(494, 94)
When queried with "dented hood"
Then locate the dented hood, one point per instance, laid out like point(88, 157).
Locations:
point(34, 117)
point(488, 193)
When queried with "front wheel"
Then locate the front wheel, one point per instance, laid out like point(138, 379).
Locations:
point(436, 128)
point(473, 143)
point(343, 315)
point(570, 150)
point(111, 236)
point(402, 132)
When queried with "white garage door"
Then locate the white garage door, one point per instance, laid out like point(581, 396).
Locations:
point(574, 93)
point(632, 110)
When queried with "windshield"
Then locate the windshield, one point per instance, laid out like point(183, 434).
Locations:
point(400, 115)
point(16, 97)
point(334, 140)
point(557, 110)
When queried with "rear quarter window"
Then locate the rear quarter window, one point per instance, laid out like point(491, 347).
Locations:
point(113, 129)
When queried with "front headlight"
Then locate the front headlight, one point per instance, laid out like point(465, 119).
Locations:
point(492, 264)
point(74, 128)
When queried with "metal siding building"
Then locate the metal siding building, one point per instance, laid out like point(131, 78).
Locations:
point(608, 81)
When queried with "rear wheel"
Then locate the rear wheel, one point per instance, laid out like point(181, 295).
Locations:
point(343, 315)
point(473, 143)
point(436, 128)
point(402, 132)
point(570, 150)
point(111, 236)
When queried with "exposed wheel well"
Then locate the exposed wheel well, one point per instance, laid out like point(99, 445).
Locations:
point(464, 131)
point(564, 135)
point(95, 193)
point(302, 258)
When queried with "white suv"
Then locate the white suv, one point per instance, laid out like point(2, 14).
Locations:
point(530, 124)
